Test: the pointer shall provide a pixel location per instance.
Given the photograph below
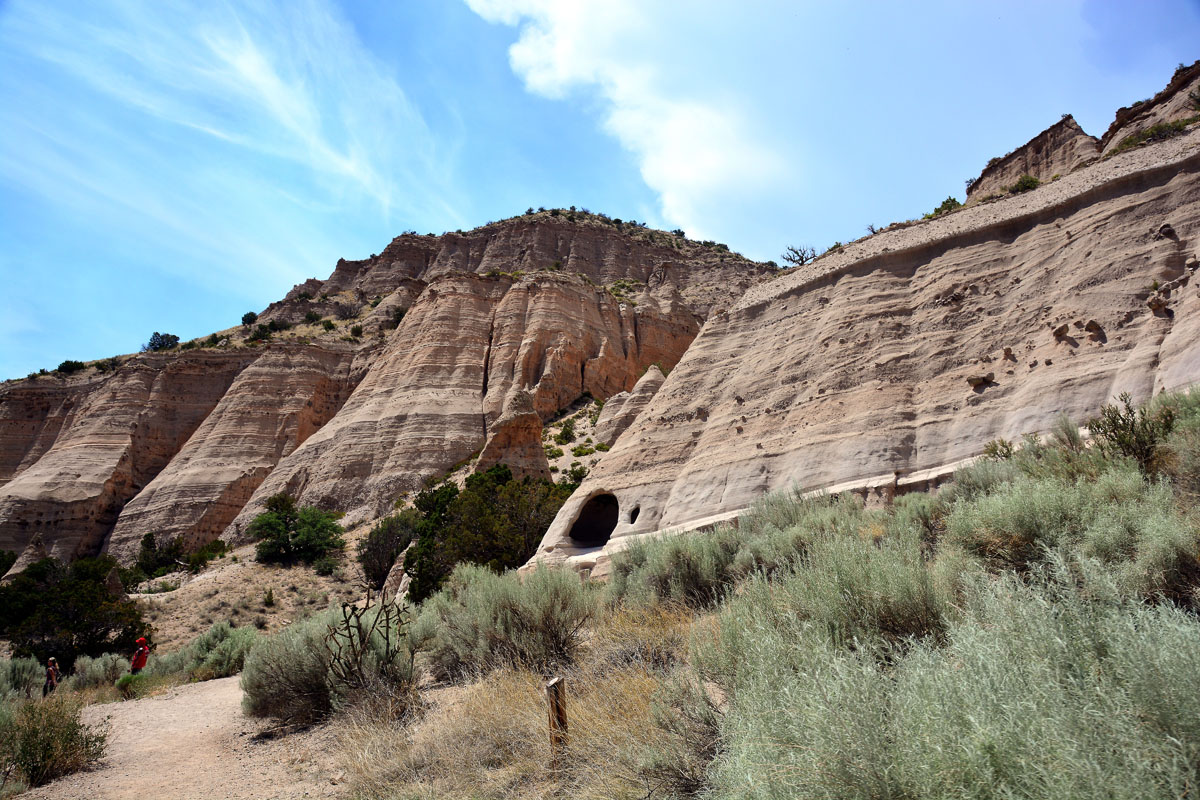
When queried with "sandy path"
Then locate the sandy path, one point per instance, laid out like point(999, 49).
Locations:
point(193, 742)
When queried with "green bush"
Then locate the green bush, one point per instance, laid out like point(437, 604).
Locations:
point(338, 658)
point(325, 566)
point(483, 620)
point(1118, 518)
point(68, 367)
point(377, 553)
point(1024, 184)
point(42, 740)
point(160, 341)
point(566, 434)
point(579, 451)
point(20, 677)
point(51, 609)
point(249, 318)
point(1155, 133)
point(948, 205)
point(356, 331)
point(93, 673)
point(286, 533)
point(691, 569)
point(1133, 433)
point(285, 675)
point(132, 687)
point(312, 317)
point(495, 520)
point(328, 325)
point(1035, 690)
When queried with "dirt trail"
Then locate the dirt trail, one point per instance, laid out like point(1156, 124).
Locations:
point(193, 742)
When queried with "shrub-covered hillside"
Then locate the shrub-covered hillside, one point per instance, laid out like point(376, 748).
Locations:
point(1029, 631)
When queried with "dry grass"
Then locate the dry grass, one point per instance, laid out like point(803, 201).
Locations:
point(490, 740)
point(654, 637)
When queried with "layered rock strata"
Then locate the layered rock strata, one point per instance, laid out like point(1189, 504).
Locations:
point(269, 410)
point(1056, 151)
point(1179, 100)
point(886, 365)
point(622, 409)
point(445, 386)
point(123, 431)
point(458, 345)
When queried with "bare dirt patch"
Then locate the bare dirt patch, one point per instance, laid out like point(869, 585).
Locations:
point(194, 742)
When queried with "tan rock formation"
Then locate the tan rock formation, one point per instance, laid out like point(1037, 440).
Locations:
point(1058, 150)
point(515, 439)
point(178, 443)
point(438, 390)
point(271, 408)
point(853, 373)
point(1175, 102)
point(622, 408)
point(123, 433)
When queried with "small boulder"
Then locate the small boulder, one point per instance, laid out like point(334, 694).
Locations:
point(981, 380)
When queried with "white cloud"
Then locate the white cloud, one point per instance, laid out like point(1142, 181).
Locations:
point(696, 145)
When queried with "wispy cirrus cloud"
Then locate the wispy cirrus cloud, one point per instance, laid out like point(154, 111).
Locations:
point(255, 138)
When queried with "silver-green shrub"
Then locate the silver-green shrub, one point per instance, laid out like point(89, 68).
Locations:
point(91, 673)
point(482, 620)
point(20, 677)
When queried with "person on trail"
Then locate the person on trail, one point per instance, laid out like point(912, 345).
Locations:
point(138, 662)
point(53, 673)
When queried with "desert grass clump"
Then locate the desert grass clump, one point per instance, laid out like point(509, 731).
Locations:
point(484, 620)
point(652, 636)
point(488, 740)
point(41, 740)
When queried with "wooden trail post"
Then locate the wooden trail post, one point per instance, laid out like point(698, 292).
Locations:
point(556, 702)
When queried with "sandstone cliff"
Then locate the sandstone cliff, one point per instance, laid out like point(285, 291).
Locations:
point(468, 342)
point(1058, 150)
point(881, 367)
point(1178, 101)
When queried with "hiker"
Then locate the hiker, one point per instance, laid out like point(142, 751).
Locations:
point(138, 662)
point(53, 673)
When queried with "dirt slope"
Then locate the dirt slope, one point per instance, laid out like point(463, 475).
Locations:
point(194, 743)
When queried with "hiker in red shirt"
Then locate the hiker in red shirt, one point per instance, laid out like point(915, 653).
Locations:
point(138, 662)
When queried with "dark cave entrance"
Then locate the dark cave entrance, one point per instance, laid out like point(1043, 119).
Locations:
point(596, 521)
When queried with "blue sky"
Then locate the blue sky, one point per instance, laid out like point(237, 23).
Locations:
point(167, 166)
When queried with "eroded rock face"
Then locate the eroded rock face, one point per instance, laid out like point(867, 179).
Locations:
point(622, 409)
point(438, 391)
point(271, 408)
point(857, 373)
point(1056, 151)
point(459, 352)
point(1176, 102)
point(123, 432)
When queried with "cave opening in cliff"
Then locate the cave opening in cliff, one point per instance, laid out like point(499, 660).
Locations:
point(633, 515)
point(596, 521)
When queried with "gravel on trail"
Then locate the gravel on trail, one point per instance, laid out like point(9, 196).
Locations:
point(194, 742)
